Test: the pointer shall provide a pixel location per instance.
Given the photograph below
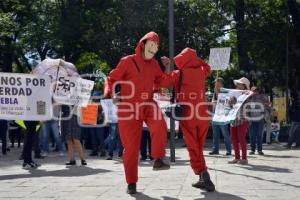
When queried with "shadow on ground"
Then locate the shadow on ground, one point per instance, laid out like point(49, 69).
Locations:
point(75, 171)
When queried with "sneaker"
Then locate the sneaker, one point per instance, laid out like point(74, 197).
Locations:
point(131, 188)
point(228, 154)
point(213, 153)
point(71, 162)
point(243, 162)
point(251, 152)
point(160, 165)
point(234, 161)
point(83, 162)
point(261, 153)
point(31, 165)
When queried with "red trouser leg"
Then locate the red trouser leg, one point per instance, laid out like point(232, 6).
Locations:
point(235, 142)
point(242, 132)
point(158, 131)
point(195, 139)
point(131, 133)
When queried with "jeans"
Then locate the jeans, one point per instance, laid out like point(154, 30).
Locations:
point(224, 129)
point(146, 142)
point(114, 140)
point(294, 136)
point(47, 127)
point(256, 135)
point(97, 139)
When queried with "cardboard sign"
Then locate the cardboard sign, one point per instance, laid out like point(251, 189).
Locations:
point(89, 114)
point(219, 58)
point(73, 91)
point(25, 97)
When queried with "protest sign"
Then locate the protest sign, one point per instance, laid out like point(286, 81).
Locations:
point(25, 97)
point(228, 105)
point(219, 58)
point(89, 114)
point(73, 91)
point(110, 111)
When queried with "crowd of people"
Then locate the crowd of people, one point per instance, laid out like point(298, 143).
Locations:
point(133, 143)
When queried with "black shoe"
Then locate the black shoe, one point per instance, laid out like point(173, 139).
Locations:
point(93, 154)
point(288, 146)
point(109, 158)
point(131, 188)
point(204, 182)
point(251, 152)
point(228, 154)
point(261, 153)
point(213, 153)
point(39, 156)
point(160, 165)
point(150, 157)
point(83, 162)
point(72, 162)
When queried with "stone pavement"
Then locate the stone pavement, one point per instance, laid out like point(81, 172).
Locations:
point(273, 176)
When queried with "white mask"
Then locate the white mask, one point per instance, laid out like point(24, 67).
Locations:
point(150, 49)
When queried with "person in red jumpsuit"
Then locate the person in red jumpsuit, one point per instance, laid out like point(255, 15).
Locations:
point(195, 122)
point(137, 74)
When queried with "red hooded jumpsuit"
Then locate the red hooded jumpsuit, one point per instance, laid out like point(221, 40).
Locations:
point(194, 72)
point(139, 107)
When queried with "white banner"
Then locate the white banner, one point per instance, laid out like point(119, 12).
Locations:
point(25, 97)
point(110, 111)
point(228, 105)
point(219, 58)
point(73, 91)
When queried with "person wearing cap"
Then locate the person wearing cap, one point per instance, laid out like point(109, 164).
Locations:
point(135, 103)
point(217, 128)
point(239, 128)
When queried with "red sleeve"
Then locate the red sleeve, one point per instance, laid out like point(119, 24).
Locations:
point(116, 74)
point(205, 67)
point(163, 80)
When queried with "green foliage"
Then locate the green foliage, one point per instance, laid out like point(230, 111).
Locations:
point(91, 62)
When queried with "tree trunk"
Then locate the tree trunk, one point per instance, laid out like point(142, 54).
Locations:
point(240, 32)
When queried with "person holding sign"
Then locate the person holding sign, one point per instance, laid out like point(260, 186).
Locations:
point(239, 128)
point(195, 122)
point(137, 75)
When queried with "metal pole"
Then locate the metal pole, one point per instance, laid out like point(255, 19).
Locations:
point(171, 55)
point(287, 77)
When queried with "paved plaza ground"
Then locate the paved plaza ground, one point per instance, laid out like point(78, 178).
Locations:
point(276, 175)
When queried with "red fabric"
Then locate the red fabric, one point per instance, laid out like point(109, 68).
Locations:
point(194, 137)
point(194, 73)
point(131, 132)
point(238, 140)
point(143, 104)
